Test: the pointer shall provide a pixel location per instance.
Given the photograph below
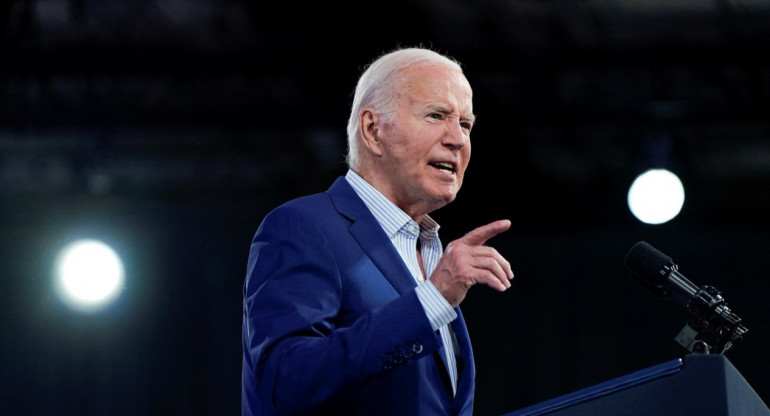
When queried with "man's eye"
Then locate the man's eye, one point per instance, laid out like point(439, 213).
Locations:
point(467, 126)
point(436, 116)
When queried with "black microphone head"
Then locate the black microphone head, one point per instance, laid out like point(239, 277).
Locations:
point(709, 312)
point(649, 267)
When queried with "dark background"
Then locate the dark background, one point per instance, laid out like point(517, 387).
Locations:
point(169, 128)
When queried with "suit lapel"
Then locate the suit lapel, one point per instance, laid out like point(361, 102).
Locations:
point(466, 371)
point(370, 236)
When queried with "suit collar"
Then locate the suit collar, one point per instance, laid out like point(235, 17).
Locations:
point(370, 235)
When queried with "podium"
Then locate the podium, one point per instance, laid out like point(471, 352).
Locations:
point(695, 385)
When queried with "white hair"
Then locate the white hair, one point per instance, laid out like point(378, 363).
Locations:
point(377, 88)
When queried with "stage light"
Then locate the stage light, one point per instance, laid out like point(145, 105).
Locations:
point(88, 275)
point(656, 196)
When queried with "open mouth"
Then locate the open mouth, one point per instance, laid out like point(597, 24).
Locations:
point(445, 166)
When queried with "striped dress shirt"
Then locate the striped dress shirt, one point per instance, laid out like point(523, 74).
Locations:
point(405, 234)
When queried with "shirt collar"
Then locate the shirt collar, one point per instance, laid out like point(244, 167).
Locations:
point(389, 215)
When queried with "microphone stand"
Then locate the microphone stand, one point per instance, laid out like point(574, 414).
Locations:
point(711, 317)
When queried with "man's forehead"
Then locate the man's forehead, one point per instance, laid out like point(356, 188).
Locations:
point(417, 73)
point(437, 86)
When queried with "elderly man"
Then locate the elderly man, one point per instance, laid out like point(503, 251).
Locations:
point(350, 301)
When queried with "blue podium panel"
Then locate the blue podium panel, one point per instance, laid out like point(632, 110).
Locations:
point(698, 385)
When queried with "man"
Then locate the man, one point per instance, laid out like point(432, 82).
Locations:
point(350, 301)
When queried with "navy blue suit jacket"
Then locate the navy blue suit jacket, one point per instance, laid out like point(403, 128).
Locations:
point(332, 324)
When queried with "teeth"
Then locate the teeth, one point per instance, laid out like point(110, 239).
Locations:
point(447, 166)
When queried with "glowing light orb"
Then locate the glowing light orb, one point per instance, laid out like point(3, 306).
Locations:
point(88, 275)
point(656, 196)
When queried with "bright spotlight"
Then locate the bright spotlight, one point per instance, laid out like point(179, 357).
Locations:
point(88, 275)
point(656, 196)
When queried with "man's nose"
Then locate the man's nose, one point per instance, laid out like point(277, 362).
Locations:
point(455, 137)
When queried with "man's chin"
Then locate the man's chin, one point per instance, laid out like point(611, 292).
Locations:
point(437, 197)
point(445, 199)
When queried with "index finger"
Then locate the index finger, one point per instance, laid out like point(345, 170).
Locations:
point(481, 234)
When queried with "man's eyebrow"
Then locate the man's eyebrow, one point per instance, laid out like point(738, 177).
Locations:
point(440, 108)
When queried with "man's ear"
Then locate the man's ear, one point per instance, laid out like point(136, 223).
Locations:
point(370, 127)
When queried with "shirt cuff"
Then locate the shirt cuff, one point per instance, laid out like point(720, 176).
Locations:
point(438, 310)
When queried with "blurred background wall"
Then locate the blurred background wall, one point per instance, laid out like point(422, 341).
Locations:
point(169, 128)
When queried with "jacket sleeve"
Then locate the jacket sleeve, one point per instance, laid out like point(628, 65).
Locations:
point(293, 297)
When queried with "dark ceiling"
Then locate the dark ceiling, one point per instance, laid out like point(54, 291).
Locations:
point(574, 98)
point(170, 127)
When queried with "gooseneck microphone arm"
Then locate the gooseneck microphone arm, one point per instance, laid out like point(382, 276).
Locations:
point(709, 314)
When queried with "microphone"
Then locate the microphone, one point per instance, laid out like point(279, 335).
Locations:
point(708, 310)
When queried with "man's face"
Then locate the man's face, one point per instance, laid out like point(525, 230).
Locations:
point(426, 143)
